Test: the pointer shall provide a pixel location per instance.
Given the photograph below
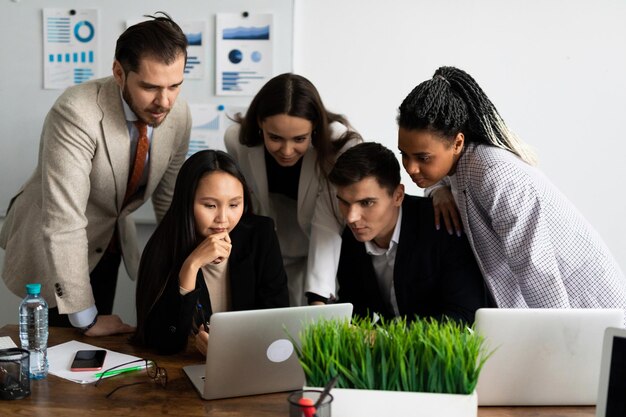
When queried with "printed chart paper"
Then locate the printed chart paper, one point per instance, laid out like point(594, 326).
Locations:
point(197, 49)
point(243, 53)
point(210, 122)
point(70, 47)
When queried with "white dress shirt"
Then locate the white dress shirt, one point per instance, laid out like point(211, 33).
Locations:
point(383, 261)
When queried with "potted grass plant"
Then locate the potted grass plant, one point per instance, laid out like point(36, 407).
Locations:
point(424, 367)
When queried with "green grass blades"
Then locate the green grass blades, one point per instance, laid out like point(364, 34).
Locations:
point(422, 356)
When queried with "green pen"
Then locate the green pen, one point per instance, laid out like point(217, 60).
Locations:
point(118, 371)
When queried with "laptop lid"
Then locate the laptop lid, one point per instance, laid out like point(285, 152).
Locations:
point(542, 356)
point(249, 352)
point(612, 385)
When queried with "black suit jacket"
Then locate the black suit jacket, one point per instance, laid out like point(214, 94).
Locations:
point(435, 274)
point(257, 280)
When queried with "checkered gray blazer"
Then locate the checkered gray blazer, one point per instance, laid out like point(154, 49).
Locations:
point(533, 247)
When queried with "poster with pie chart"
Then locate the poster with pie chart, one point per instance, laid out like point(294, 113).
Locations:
point(243, 53)
point(70, 46)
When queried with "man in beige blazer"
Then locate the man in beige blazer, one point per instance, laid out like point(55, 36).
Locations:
point(68, 226)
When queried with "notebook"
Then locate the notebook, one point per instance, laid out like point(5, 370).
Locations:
point(249, 352)
point(7, 343)
point(543, 356)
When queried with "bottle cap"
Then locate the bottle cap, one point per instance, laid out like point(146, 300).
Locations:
point(33, 289)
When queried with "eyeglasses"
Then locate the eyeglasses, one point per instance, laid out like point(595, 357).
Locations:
point(155, 372)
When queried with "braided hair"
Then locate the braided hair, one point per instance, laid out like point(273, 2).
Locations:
point(452, 102)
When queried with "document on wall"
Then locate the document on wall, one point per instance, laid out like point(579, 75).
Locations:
point(210, 122)
point(243, 53)
point(195, 31)
point(70, 51)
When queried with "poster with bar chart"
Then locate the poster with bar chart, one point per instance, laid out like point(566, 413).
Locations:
point(70, 46)
point(243, 53)
point(195, 31)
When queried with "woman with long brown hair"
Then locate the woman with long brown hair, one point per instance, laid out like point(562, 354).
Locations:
point(286, 144)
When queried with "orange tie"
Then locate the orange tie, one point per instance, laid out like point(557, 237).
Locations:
point(143, 144)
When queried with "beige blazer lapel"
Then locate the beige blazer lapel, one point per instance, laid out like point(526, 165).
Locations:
point(116, 137)
point(256, 162)
point(160, 151)
point(308, 187)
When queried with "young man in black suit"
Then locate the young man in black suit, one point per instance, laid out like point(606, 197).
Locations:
point(393, 261)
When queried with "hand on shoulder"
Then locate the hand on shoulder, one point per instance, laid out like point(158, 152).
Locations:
point(446, 210)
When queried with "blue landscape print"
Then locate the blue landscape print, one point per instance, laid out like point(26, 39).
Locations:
point(247, 33)
point(194, 38)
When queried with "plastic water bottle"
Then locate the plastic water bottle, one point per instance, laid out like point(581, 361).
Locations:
point(34, 330)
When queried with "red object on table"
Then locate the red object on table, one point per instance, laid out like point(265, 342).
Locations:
point(306, 404)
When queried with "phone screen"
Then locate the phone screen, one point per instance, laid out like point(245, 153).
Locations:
point(88, 360)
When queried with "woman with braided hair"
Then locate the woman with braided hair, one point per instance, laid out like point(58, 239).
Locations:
point(532, 245)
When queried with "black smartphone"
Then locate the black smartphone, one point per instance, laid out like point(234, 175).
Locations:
point(88, 360)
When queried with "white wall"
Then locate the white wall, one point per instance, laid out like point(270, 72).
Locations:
point(555, 69)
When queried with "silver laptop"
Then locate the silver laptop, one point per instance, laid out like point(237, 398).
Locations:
point(249, 352)
point(543, 356)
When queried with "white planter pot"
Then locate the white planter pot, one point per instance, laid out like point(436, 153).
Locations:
point(371, 403)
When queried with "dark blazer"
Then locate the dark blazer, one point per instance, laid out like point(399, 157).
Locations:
point(257, 280)
point(435, 274)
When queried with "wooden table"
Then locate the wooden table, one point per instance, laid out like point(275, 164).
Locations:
point(55, 396)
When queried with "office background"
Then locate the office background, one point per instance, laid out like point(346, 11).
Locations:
point(555, 70)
